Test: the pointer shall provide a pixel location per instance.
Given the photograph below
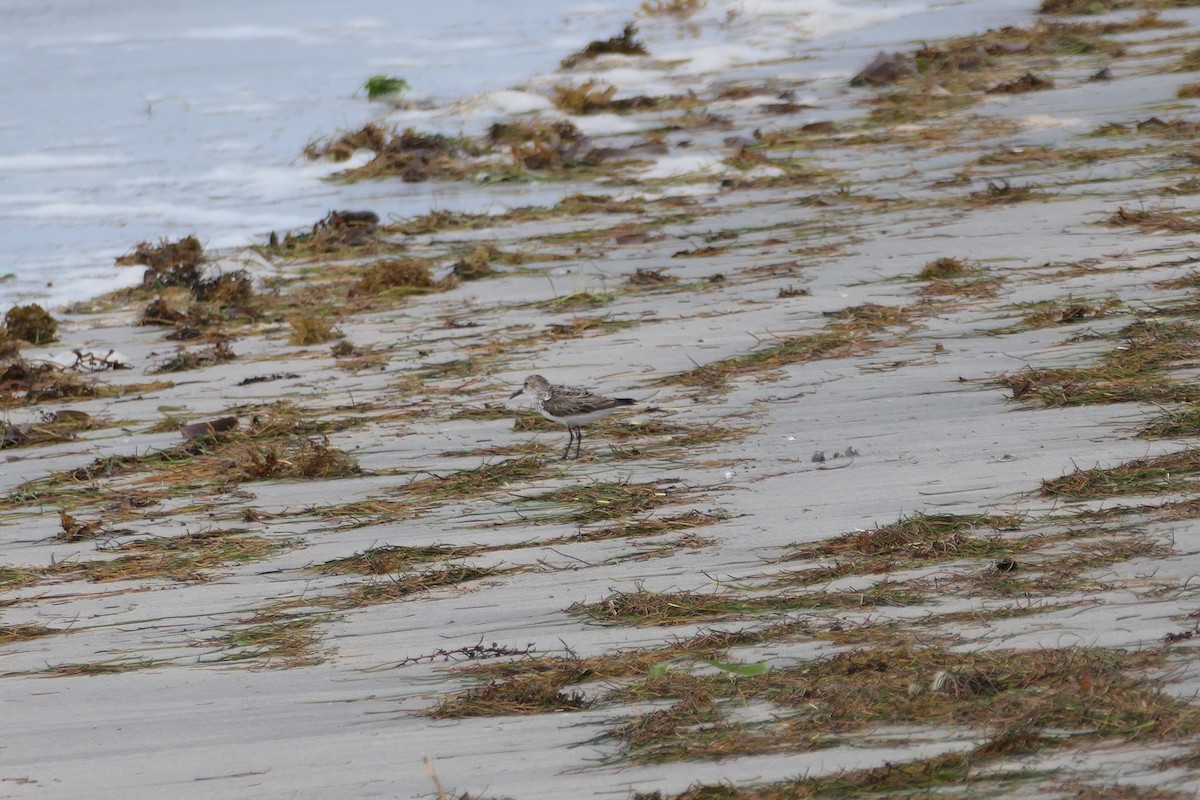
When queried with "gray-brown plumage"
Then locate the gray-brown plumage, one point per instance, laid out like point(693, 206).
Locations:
point(571, 406)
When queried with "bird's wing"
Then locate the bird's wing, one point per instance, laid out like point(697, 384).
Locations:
point(574, 391)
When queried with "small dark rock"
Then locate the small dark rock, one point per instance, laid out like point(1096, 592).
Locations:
point(14, 435)
point(886, 68)
point(212, 427)
point(823, 126)
point(1026, 83)
point(356, 219)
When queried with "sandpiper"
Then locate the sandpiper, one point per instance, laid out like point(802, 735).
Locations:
point(570, 406)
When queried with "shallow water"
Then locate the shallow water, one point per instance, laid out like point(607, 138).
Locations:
point(131, 120)
point(127, 120)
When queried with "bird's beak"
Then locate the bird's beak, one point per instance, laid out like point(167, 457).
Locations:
point(517, 392)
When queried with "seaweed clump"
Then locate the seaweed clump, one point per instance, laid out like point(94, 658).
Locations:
point(405, 275)
point(476, 264)
point(591, 97)
point(413, 156)
point(306, 459)
point(30, 323)
point(625, 45)
point(217, 353)
point(540, 145)
point(168, 263)
point(30, 383)
point(211, 295)
point(336, 231)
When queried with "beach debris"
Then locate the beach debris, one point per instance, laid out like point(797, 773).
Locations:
point(33, 382)
point(540, 145)
point(474, 652)
point(225, 283)
point(349, 227)
point(1026, 83)
point(591, 97)
point(636, 237)
point(624, 45)
point(343, 229)
point(1180, 127)
point(248, 261)
point(785, 103)
point(700, 252)
point(373, 136)
point(168, 263)
point(823, 126)
point(355, 219)
point(674, 8)
point(30, 323)
point(942, 268)
point(1080, 6)
point(1069, 311)
point(308, 458)
point(58, 426)
point(217, 353)
point(225, 289)
point(75, 530)
point(277, 376)
point(739, 91)
point(195, 324)
point(160, 312)
point(68, 417)
point(308, 330)
point(336, 230)
point(88, 360)
point(212, 427)
point(785, 107)
point(533, 145)
point(412, 155)
point(699, 120)
point(635, 152)
point(412, 275)
point(385, 87)
point(587, 97)
point(476, 264)
point(1007, 564)
point(15, 435)
point(885, 68)
point(651, 276)
point(998, 192)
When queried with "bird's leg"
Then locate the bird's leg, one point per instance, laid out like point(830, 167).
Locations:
point(570, 438)
point(578, 440)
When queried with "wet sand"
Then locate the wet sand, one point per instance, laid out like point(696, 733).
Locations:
point(844, 466)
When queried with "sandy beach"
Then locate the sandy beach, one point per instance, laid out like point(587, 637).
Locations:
point(906, 505)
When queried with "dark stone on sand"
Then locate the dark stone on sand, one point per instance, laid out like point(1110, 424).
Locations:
point(212, 427)
point(884, 69)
